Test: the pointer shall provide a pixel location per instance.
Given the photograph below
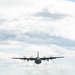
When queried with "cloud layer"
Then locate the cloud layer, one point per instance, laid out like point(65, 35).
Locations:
point(28, 26)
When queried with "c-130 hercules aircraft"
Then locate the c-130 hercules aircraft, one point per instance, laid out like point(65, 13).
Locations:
point(38, 59)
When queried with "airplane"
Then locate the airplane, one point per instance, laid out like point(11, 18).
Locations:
point(38, 59)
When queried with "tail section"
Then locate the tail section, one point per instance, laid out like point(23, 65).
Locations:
point(38, 54)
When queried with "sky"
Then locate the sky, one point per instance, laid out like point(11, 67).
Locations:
point(28, 26)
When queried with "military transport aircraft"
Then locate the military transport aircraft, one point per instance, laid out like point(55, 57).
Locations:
point(38, 59)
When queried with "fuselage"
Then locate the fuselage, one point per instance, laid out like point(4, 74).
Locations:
point(37, 60)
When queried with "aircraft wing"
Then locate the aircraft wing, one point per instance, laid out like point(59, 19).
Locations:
point(24, 58)
point(47, 58)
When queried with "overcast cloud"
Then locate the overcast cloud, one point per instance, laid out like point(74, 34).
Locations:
point(46, 14)
point(28, 26)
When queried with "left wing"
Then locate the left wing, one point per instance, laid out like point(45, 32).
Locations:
point(47, 58)
point(24, 58)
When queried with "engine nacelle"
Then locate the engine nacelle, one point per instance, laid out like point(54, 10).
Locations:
point(28, 60)
point(47, 59)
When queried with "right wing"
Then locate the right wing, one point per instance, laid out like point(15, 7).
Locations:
point(47, 58)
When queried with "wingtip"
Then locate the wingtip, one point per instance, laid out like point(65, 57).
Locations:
point(12, 58)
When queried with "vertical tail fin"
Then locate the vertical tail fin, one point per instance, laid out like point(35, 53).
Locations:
point(38, 54)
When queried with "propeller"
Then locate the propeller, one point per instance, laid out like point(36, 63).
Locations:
point(31, 57)
point(44, 56)
point(24, 57)
point(55, 65)
point(51, 55)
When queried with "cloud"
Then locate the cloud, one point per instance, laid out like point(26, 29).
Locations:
point(6, 35)
point(46, 14)
point(19, 18)
point(71, 0)
point(30, 26)
point(44, 68)
point(7, 56)
point(44, 39)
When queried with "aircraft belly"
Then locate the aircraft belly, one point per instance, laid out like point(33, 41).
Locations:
point(37, 61)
